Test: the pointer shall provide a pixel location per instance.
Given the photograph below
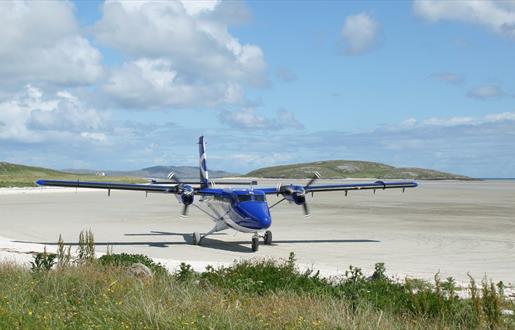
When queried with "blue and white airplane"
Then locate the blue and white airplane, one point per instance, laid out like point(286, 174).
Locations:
point(244, 210)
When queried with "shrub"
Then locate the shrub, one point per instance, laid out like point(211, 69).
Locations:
point(43, 261)
point(185, 272)
point(126, 260)
point(266, 275)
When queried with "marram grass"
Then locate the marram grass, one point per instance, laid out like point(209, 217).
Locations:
point(249, 295)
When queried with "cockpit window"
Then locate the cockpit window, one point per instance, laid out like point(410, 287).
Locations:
point(244, 198)
point(251, 197)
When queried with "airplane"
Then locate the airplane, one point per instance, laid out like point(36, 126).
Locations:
point(243, 209)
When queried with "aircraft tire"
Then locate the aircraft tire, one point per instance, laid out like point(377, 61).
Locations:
point(268, 237)
point(255, 244)
point(196, 238)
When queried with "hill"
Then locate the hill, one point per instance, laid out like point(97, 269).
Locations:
point(339, 169)
point(160, 172)
point(14, 175)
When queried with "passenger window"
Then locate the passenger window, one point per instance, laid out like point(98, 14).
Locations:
point(259, 198)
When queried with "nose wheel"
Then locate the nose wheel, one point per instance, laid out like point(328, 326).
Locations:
point(255, 243)
point(267, 238)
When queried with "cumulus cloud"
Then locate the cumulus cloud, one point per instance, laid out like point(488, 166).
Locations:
point(32, 117)
point(485, 92)
point(498, 16)
point(359, 33)
point(448, 77)
point(190, 41)
point(148, 83)
point(249, 119)
point(457, 121)
point(40, 43)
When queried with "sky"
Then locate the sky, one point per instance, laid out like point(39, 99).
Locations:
point(125, 85)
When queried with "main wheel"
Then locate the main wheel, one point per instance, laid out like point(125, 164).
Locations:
point(268, 237)
point(255, 243)
point(196, 238)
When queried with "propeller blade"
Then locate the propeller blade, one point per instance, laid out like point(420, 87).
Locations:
point(184, 211)
point(316, 176)
point(306, 209)
point(173, 177)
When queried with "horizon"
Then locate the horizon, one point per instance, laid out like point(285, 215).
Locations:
point(215, 169)
point(108, 85)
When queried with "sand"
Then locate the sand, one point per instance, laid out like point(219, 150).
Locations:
point(449, 227)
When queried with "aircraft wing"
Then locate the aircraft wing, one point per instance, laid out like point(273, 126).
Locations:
point(110, 186)
point(361, 186)
point(378, 185)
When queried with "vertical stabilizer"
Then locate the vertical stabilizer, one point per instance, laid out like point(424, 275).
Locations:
point(204, 176)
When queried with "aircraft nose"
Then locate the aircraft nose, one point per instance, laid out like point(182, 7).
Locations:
point(259, 213)
point(265, 221)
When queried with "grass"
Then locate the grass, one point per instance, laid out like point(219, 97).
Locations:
point(13, 175)
point(247, 295)
point(335, 169)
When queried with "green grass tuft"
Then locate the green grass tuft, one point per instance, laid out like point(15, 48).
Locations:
point(126, 260)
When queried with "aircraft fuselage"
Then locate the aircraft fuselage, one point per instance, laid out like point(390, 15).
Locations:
point(245, 210)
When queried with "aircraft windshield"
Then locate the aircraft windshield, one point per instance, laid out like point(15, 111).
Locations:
point(244, 198)
point(248, 198)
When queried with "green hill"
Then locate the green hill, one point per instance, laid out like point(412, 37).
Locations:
point(14, 175)
point(338, 169)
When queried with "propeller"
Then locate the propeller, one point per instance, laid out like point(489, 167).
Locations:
point(305, 207)
point(187, 197)
point(297, 194)
point(186, 191)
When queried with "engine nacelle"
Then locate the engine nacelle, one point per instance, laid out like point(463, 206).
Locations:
point(293, 193)
point(187, 195)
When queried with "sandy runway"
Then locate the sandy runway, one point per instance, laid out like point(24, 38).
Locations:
point(452, 227)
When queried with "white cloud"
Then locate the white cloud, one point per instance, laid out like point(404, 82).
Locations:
point(486, 92)
point(359, 33)
point(40, 43)
point(148, 83)
point(32, 117)
point(190, 42)
point(456, 121)
point(249, 119)
point(498, 16)
point(448, 77)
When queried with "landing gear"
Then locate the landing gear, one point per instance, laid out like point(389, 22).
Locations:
point(255, 243)
point(196, 238)
point(267, 238)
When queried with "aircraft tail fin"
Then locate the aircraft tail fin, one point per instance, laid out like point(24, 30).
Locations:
point(204, 176)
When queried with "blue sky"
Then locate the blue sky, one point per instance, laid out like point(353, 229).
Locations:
point(124, 85)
